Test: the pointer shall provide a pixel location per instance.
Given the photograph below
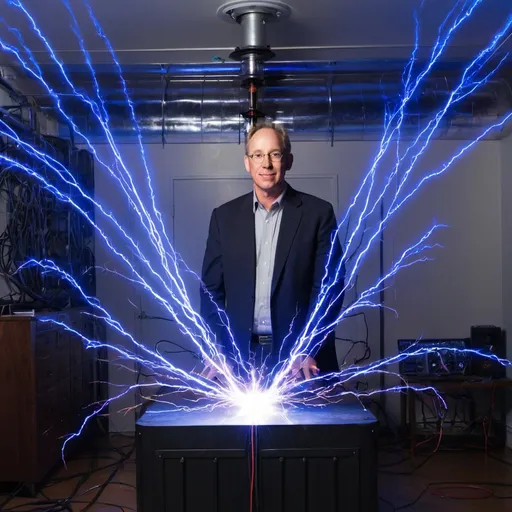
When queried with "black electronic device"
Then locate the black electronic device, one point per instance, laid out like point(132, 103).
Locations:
point(446, 358)
point(320, 459)
point(490, 341)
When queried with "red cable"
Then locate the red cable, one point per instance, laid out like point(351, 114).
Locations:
point(433, 437)
point(487, 429)
point(425, 441)
point(441, 419)
point(485, 493)
point(440, 436)
point(252, 470)
point(486, 435)
point(492, 412)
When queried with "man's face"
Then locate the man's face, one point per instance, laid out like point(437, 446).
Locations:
point(268, 164)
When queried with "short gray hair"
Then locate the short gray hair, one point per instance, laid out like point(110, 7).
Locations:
point(278, 128)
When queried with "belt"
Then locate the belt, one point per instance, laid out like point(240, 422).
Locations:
point(261, 339)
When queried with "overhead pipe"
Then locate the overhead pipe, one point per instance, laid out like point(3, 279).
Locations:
point(225, 125)
point(324, 108)
point(233, 69)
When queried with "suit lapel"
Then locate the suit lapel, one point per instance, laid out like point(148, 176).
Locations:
point(292, 214)
point(245, 240)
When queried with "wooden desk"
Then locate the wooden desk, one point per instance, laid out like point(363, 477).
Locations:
point(47, 379)
point(456, 383)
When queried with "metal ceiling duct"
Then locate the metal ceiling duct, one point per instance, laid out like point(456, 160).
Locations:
point(316, 101)
point(313, 107)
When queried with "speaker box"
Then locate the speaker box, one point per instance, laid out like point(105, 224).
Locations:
point(489, 340)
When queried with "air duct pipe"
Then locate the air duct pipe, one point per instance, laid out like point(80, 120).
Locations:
point(314, 108)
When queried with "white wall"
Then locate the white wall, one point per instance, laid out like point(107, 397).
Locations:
point(506, 194)
point(442, 298)
point(463, 285)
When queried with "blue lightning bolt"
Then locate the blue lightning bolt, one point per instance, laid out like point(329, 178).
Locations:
point(127, 185)
point(243, 387)
point(315, 327)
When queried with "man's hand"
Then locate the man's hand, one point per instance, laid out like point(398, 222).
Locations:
point(304, 366)
point(210, 372)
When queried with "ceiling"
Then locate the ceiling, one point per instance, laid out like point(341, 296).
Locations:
point(334, 61)
point(167, 31)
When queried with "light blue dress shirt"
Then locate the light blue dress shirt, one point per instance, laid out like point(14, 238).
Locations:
point(267, 225)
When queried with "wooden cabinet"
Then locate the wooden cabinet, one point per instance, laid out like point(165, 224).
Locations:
point(48, 378)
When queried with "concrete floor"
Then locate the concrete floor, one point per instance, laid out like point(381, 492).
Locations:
point(478, 474)
point(478, 482)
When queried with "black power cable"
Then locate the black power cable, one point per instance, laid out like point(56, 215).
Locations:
point(65, 504)
point(41, 227)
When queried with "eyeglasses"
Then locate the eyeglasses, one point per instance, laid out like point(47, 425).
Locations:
point(275, 156)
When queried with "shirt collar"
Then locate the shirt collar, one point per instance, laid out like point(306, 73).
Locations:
point(278, 201)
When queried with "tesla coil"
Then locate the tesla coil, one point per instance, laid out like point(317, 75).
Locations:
point(307, 459)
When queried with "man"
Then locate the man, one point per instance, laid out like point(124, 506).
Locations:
point(265, 259)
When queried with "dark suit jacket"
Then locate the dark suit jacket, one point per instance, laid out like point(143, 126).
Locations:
point(229, 270)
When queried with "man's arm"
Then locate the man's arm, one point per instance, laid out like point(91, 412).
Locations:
point(325, 233)
point(327, 361)
point(212, 290)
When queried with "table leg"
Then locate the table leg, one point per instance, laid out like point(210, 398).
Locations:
point(403, 413)
point(412, 418)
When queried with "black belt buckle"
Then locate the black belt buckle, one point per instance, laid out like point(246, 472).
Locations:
point(265, 339)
